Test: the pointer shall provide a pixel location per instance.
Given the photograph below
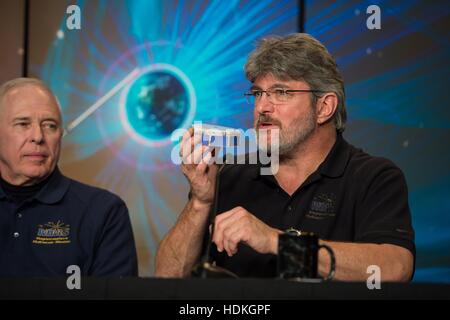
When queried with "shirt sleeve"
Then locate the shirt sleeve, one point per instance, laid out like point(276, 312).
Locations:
point(115, 252)
point(383, 215)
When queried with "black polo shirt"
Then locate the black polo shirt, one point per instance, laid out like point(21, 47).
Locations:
point(66, 223)
point(351, 197)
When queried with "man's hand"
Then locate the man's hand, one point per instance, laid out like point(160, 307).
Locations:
point(197, 169)
point(239, 225)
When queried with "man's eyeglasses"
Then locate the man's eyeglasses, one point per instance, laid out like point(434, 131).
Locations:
point(274, 95)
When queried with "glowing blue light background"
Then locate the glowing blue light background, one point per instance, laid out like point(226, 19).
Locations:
point(160, 100)
point(396, 85)
point(207, 41)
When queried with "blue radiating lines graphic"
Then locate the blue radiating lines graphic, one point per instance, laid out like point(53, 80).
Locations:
point(208, 41)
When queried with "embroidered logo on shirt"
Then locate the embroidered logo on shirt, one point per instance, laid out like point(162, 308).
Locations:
point(322, 206)
point(53, 233)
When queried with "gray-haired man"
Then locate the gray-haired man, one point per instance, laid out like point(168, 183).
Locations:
point(49, 222)
point(356, 203)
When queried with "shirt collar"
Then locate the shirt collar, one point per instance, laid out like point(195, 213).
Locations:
point(52, 192)
point(337, 159)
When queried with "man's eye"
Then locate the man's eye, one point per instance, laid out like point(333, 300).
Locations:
point(257, 94)
point(22, 124)
point(280, 92)
point(50, 126)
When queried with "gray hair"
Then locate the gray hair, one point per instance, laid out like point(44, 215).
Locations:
point(300, 57)
point(19, 82)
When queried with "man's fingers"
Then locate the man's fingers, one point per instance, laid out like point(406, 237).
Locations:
point(183, 143)
point(200, 153)
point(221, 239)
point(204, 161)
point(231, 240)
point(188, 150)
point(186, 135)
point(224, 221)
point(225, 215)
point(192, 151)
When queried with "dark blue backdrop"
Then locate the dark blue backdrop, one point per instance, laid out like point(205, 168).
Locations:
point(397, 94)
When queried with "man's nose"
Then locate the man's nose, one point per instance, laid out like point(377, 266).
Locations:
point(36, 134)
point(264, 104)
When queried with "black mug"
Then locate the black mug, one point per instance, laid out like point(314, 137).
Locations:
point(298, 256)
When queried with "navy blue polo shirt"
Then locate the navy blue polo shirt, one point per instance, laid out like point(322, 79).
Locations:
point(66, 223)
point(351, 197)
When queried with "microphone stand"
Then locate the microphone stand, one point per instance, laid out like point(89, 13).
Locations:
point(206, 269)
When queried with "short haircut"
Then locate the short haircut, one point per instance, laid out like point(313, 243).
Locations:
point(19, 82)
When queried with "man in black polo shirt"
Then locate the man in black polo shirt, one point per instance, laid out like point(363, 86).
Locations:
point(356, 203)
point(49, 222)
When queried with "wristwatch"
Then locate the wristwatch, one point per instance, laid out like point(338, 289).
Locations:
point(293, 232)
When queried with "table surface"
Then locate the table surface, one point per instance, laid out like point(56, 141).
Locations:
point(212, 289)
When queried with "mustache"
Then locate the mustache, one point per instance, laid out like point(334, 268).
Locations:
point(265, 118)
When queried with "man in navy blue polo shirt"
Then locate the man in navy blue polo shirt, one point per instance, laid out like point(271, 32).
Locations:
point(356, 203)
point(49, 222)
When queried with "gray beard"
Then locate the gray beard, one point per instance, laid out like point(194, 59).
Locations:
point(289, 144)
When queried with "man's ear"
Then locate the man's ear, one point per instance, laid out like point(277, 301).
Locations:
point(326, 107)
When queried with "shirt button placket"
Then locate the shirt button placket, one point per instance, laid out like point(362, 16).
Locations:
point(16, 234)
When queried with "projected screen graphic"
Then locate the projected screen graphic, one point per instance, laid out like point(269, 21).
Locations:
point(146, 68)
point(158, 102)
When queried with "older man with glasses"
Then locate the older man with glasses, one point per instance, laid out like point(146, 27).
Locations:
point(356, 203)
